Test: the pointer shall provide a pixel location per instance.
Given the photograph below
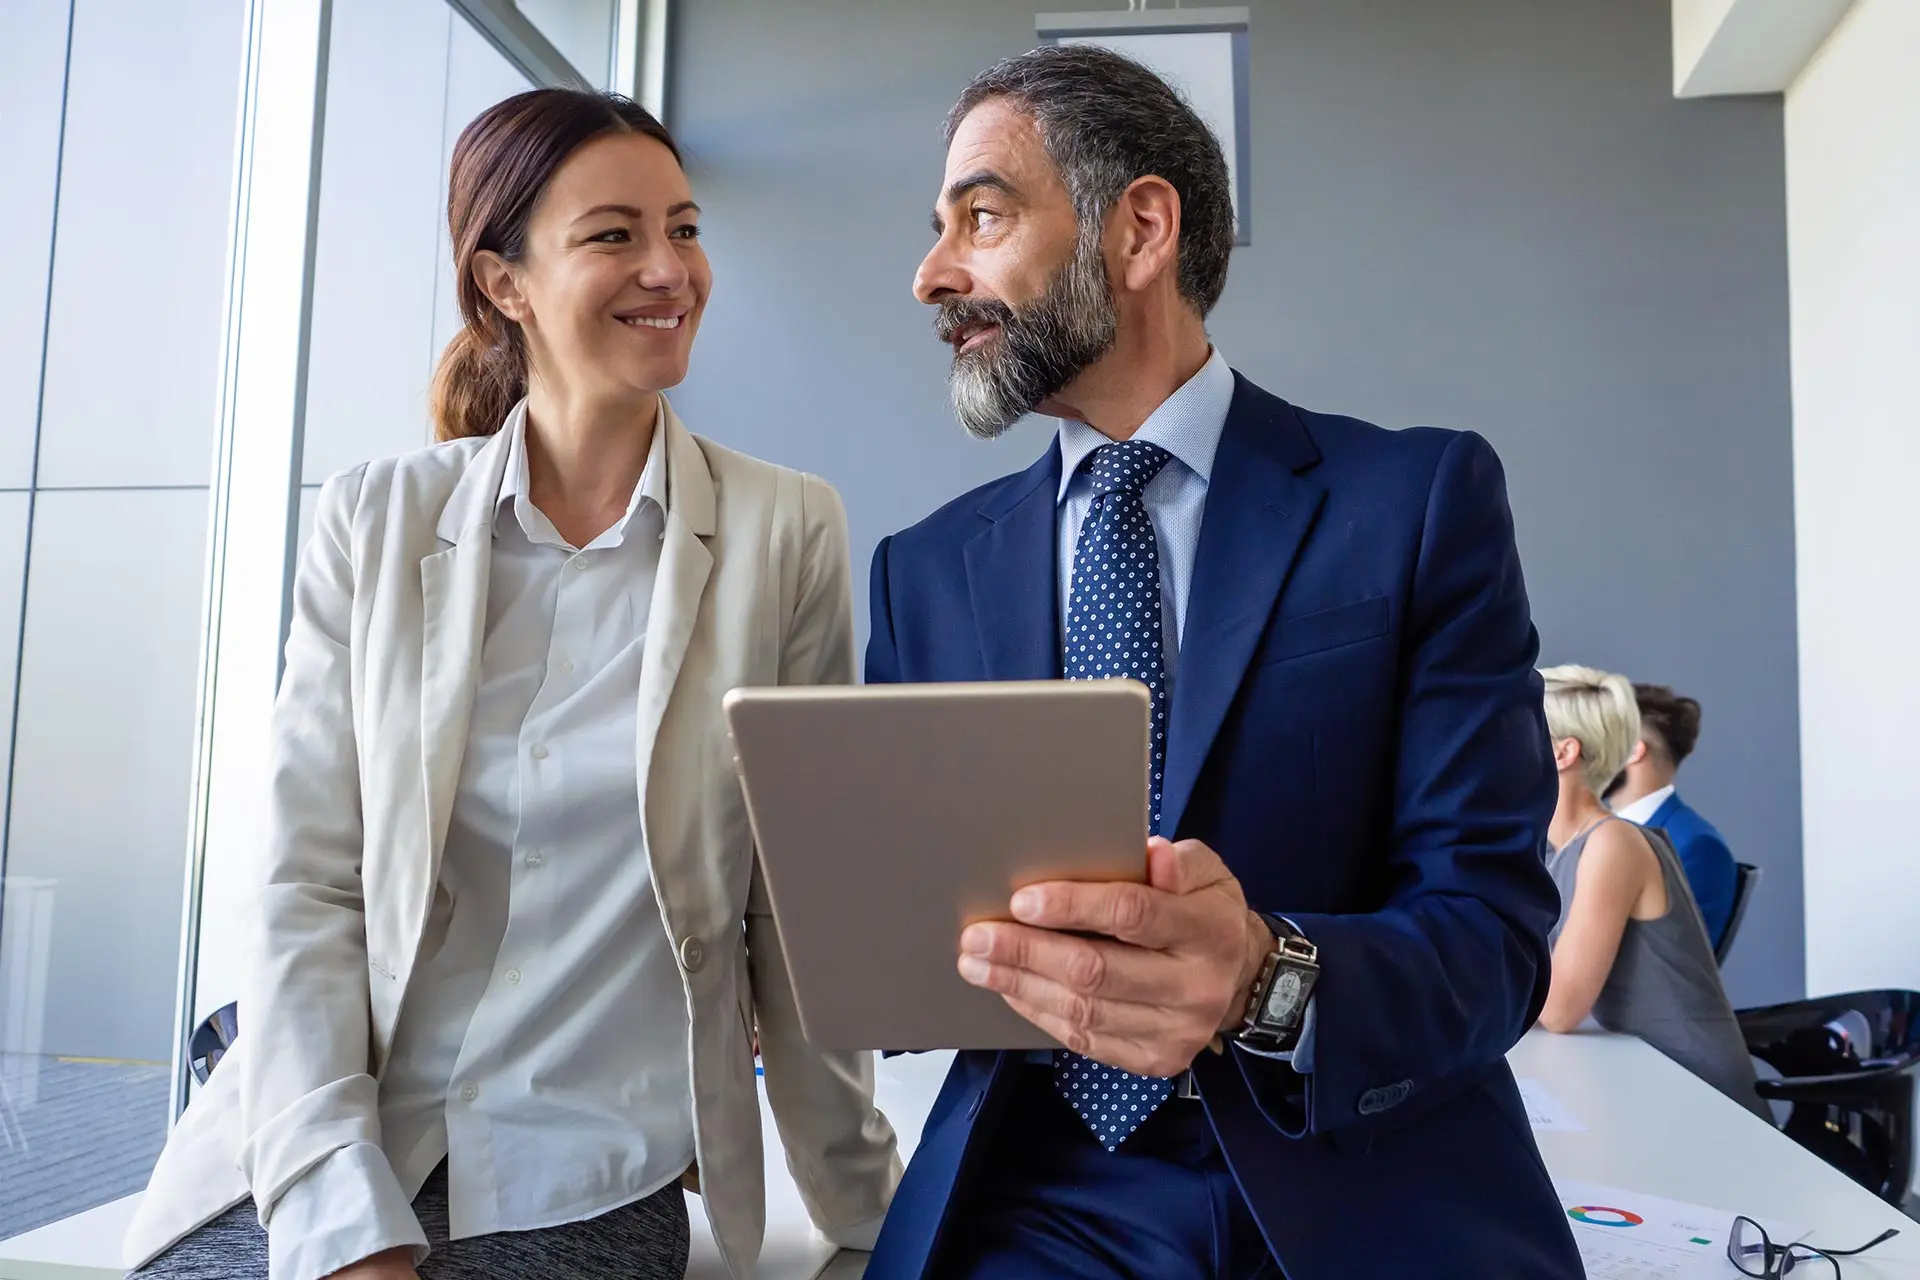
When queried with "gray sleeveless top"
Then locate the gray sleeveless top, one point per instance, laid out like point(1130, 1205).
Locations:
point(1665, 985)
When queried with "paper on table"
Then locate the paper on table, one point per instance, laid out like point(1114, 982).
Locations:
point(1546, 1112)
point(1624, 1235)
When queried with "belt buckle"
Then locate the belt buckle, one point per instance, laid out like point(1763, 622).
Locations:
point(1184, 1086)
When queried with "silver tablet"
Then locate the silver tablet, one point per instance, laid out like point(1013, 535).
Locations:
point(890, 817)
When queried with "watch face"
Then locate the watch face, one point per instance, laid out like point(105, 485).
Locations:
point(1283, 1001)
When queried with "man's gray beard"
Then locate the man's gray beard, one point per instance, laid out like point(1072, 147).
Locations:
point(1041, 347)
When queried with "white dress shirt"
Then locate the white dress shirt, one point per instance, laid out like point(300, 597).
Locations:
point(1188, 424)
point(542, 1051)
point(1641, 811)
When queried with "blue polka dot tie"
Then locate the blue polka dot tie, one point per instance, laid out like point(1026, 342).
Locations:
point(1114, 630)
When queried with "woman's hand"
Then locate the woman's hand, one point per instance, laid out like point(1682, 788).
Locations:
point(394, 1264)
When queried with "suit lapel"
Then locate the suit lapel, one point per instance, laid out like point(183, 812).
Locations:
point(685, 566)
point(1259, 512)
point(1013, 580)
point(453, 595)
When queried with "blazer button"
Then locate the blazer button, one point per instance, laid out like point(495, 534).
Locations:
point(692, 954)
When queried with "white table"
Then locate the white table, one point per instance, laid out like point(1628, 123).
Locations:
point(1655, 1128)
point(1650, 1127)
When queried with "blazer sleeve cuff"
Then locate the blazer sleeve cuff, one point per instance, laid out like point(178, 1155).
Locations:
point(347, 1208)
point(280, 1151)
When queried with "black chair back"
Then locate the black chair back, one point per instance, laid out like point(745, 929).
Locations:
point(1848, 1063)
point(1746, 878)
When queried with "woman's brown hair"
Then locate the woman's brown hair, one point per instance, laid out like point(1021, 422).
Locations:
point(501, 164)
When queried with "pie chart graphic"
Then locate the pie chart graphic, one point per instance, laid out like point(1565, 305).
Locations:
point(1599, 1215)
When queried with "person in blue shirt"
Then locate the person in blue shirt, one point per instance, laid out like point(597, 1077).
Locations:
point(1645, 793)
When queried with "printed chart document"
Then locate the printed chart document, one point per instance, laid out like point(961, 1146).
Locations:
point(1546, 1112)
point(1624, 1235)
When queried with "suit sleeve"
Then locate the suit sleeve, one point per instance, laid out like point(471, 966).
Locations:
point(840, 1149)
point(322, 1186)
point(883, 656)
point(1448, 974)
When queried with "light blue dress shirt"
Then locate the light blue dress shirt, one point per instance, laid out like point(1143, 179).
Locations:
point(1188, 424)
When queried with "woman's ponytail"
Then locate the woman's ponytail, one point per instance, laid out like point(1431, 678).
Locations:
point(477, 382)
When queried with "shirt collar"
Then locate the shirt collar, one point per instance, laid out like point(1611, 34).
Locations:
point(1188, 424)
point(1646, 806)
point(516, 485)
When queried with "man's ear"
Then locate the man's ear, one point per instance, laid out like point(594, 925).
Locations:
point(1145, 226)
point(501, 285)
point(1639, 752)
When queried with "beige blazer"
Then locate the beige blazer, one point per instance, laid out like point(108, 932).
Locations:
point(368, 733)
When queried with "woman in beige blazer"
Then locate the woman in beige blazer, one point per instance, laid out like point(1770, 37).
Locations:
point(513, 951)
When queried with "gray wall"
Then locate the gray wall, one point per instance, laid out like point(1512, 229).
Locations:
point(1483, 213)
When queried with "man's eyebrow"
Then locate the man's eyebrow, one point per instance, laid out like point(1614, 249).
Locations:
point(983, 178)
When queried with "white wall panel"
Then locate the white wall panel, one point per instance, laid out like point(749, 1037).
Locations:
point(1853, 203)
point(103, 766)
point(140, 265)
point(382, 199)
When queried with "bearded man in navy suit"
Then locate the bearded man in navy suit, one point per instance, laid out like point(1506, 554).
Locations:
point(1285, 1051)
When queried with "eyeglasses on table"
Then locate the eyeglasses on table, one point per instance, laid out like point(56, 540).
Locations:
point(1749, 1250)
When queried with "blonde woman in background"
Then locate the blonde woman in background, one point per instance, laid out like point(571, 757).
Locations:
point(1630, 947)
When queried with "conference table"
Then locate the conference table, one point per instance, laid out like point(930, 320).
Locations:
point(1626, 1117)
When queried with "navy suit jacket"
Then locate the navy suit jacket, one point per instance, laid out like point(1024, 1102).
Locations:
point(1357, 729)
point(1711, 870)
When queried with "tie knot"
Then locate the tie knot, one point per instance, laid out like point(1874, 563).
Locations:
point(1125, 466)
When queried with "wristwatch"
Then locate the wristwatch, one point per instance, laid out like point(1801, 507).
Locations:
point(1277, 1006)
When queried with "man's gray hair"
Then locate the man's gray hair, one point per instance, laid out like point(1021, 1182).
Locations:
point(1105, 121)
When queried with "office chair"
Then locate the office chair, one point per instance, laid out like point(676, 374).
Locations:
point(211, 1040)
point(1847, 1064)
point(1746, 878)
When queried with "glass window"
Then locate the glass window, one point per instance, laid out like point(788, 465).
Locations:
point(118, 121)
point(111, 347)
